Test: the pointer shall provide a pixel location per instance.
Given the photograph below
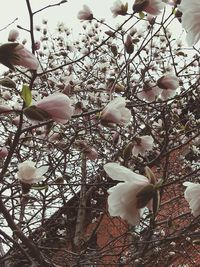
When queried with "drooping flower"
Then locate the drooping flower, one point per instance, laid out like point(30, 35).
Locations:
point(16, 54)
point(128, 198)
point(13, 35)
point(116, 112)
point(169, 83)
point(56, 107)
point(192, 195)
point(191, 20)
point(153, 7)
point(142, 144)
point(85, 13)
point(119, 8)
point(29, 174)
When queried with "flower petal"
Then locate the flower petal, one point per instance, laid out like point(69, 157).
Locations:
point(120, 173)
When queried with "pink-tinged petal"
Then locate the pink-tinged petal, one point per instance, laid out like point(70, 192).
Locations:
point(4, 108)
point(3, 152)
point(58, 106)
point(116, 112)
point(16, 54)
point(85, 13)
point(120, 173)
point(142, 145)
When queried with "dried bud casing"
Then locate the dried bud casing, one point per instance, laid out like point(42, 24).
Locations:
point(36, 114)
point(127, 152)
point(145, 195)
point(150, 175)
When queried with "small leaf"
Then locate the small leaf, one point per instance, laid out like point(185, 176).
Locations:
point(26, 95)
point(141, 15)
point(39, 187)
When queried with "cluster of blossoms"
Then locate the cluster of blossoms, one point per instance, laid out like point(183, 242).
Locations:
point(128, 104)
point(165, 88)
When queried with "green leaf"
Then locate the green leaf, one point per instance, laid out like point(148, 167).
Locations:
point(39, 187)
point(26, 95)
point(141, 15)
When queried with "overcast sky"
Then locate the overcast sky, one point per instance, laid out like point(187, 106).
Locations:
point(67, 13)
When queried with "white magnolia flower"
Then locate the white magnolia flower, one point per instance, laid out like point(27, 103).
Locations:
point(57, 107)
point(29, 174)
point(116, 112)
point(153, 7)
point(85, 13)
point(191, 20)
point(142, 145)
point(123, 199)
point(119, 8)
point(169, 83)
point(192, 195)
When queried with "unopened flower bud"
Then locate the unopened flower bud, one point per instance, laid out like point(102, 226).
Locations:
point(129, 45)
point(13, 35)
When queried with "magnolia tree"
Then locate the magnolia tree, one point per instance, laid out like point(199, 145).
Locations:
point(102, 132)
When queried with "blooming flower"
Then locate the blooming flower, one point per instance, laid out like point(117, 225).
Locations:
point(124, 199)
point(29, 174)
point(13, 35)
point(142, 144)
point(190, 20)
point(16, 54)
point(169, 83)
point(153, 7)
point(119, 9)
point(56, 107)
point(192, 195)
point(85, 14)
point(116, 112)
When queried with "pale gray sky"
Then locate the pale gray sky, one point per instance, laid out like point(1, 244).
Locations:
point(66, 13)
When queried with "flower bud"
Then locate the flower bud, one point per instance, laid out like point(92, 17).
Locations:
point(13, 35)
point(129, 45)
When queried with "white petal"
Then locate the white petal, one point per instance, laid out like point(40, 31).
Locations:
point(40, 171)
point(120, 173)
point(122, 202)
